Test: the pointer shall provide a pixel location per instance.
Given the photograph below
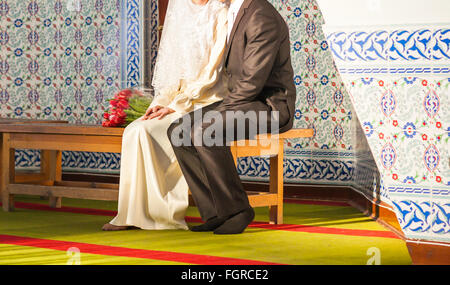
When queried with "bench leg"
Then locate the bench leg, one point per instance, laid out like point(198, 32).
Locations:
point(51, 167)
point(276, 185)
point(7, 162)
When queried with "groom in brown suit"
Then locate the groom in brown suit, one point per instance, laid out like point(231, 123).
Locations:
point(260, 79)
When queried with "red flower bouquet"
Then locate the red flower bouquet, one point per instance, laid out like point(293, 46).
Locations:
point(126, 106)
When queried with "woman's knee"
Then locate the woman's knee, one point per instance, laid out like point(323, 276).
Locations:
point(138, 126)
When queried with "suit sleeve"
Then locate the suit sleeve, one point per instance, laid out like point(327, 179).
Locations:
point(263, 41)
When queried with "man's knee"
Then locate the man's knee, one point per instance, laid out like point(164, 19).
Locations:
point(179, 132)
point(172, 127)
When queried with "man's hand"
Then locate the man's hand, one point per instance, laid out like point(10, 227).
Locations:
point(157, 112)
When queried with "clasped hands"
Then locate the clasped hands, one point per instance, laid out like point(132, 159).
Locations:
point(157, 112)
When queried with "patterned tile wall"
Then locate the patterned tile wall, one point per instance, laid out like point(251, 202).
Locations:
point(62, 59)
point(322, 104)
point(398, 78)
point(59, 59)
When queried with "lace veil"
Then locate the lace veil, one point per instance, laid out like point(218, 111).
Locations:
point(186, 40)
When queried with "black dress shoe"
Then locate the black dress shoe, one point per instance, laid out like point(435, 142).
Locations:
point(210, 225)
point(237, 223)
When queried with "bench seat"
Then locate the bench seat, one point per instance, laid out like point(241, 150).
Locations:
point(53, 137)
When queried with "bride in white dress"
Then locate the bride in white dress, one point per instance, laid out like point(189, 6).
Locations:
point(153, 193)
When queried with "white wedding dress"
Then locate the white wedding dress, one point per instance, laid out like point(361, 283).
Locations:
point(153, 193)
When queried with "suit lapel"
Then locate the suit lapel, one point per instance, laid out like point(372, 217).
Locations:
point(239, 16)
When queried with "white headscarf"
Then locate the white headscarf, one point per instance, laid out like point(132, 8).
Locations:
point(185, 42)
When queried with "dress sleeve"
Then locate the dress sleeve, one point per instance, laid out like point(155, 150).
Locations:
point(200, 89)
point(165, 97)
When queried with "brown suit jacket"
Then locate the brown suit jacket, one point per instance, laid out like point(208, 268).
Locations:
point(258, 61)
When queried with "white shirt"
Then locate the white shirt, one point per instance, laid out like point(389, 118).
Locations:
point(235, 6)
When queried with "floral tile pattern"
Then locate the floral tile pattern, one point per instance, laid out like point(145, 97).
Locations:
point(322, 104)
point(59, 59)
point(399, 85)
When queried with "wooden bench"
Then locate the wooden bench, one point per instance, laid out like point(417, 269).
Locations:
point(45, 168)
point(53, 138)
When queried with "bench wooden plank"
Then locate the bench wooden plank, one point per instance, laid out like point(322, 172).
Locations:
point(68, 142)
point(65, 191)
point(276, 185)
point(30, 121)
point(262, 199)
point(7, 164)
point(87, 184)
point(291, 134)
point(57, 128)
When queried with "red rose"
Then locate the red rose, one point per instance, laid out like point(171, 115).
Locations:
point(115, 120)
point(106, 123)
point(123, 104)
point(125, 93)
point(113, 103)
point(120, 113)
point(106, 116)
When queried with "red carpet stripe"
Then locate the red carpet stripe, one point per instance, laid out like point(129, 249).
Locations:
point(263, 225)
point(128, 252)
point(313, 229)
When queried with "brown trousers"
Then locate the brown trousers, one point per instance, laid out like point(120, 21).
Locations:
point(210, 170)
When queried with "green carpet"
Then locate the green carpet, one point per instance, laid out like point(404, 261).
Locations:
point(256, 244)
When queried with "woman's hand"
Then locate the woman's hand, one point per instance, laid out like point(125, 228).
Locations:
point(151, 110)
point(157, 112)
